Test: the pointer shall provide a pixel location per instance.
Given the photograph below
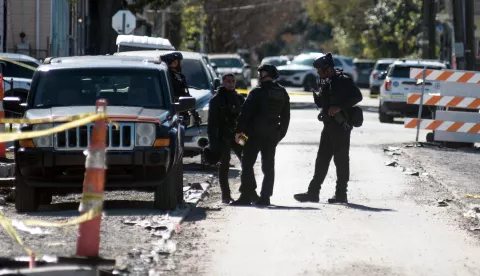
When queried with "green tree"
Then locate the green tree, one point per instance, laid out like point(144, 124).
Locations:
point(392, 28)
point(193, 20)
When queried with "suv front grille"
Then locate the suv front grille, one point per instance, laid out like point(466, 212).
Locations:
point(78, 138)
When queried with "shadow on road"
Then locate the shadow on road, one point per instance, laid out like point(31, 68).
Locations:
point(111, 207)
point(200, 213)
point(367, 208)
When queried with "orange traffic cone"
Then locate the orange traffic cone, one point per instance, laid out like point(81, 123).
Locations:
point(88, 242)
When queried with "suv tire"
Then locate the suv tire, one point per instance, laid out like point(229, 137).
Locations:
point(383, 117)
point(165, 197)
point(27, 199)
point(309, 83)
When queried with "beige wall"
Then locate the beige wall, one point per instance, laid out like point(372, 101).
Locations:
point(22, 17)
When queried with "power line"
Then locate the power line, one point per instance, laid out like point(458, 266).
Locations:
point(253, 6)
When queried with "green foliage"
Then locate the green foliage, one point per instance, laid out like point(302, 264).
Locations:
point(138, 5)
point(370, 28)
point(193, 18)
point(392, 27)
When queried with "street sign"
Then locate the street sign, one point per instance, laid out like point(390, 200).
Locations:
point(124, 22)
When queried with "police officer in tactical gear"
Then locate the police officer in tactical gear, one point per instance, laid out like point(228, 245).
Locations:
point(264, 119)
point(338, 94)
point(223, 112)
point(179, 83)
point(174, 63)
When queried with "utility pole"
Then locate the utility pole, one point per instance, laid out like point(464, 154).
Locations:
point(429, 29)
point(470, 54)
point(459, 30)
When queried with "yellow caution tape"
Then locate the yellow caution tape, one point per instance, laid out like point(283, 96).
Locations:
point(472, 196)
point(6, 223)
point(21, 64)
point(7, 137)
point(42, 121)
point(246, 92)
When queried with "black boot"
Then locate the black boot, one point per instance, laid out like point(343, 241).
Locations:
point(306, 197)
point(254, 197)
point(243, 200)
point(227, 199)
point(338, 198)
point(263, 201)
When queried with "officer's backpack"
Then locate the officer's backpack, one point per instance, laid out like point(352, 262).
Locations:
point(355, 116)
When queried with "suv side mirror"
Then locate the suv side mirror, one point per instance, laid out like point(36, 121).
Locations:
point(214, 66)
point(14, 105)
point(216, 83)
point(185, 104)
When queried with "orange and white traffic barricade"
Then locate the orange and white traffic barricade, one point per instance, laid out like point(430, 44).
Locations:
point(457, 118)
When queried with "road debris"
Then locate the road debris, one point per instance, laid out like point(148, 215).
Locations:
point(391, 164)
point(3, 201)
point(411, 172)
point(32, 230)
point(443, 203)
point(473, 196)
point(164, 247)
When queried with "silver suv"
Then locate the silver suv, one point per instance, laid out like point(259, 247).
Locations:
point(233, 63)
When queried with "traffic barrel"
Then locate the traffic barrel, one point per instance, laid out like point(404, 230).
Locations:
point(88, 241)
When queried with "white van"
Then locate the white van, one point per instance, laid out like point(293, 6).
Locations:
point(126, 43)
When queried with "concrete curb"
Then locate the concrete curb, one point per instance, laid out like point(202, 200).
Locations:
point(54, 271)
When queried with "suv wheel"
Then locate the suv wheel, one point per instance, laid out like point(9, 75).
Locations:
point(309, 83)
point(26, 198)
point(166, 195)
point(384, 118)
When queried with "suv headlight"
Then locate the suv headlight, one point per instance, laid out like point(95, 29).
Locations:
point(43, 141)
point(144, 134)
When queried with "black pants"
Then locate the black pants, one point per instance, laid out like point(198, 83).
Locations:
point(224, 167)
point(267, 148)
point(334, 142)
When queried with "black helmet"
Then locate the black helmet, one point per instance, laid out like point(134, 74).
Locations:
point(324, 61)
point(171, 57)
point(270, 69)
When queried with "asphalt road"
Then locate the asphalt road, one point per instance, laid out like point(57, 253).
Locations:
point(393, 225)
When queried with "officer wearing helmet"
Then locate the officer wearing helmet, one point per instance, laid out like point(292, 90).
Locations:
point(264, 119)
point(174, 63)
point(338, 95)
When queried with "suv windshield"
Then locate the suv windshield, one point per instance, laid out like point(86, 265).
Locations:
point(364, 65)
point(404, 71)
point(382, 66)
point(303, 61)
point(227, 62)
point(15, 71)
point(82, 87)
point(195, 75)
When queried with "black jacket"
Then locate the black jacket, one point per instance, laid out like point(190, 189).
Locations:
point(341, 92)
point(179, 84)
point(223, 112)
point(266, 112)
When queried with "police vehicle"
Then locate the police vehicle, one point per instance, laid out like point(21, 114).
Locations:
point(397, 85)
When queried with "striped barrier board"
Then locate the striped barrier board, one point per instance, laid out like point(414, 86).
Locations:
point(440, 125)
point(448, 101)
point(446, 75)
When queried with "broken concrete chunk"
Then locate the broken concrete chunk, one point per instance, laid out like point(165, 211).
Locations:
point(196, 186)
point(442, 203)
point(3, 201)
point(391, 164)
point(411, 172)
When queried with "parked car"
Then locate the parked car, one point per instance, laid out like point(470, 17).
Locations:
point(365, 68)
point(301, 73)
point(17, 79)
point(233, 63)
point(397, 85)
point(276, 60)
point(144, 152)
point(380, 66)
point(202, 86)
